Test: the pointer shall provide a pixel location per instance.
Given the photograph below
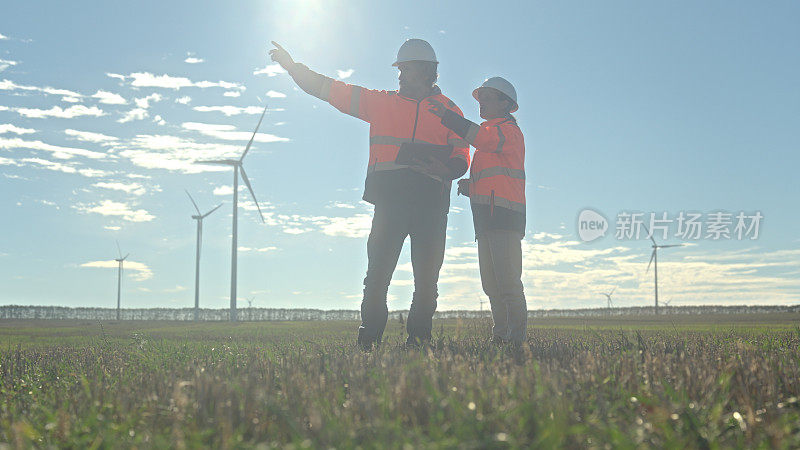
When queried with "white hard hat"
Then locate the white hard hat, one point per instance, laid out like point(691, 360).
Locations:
point(502, 85)
point(415, 50)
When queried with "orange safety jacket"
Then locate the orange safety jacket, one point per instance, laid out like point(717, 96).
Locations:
point(497, 175)
point(394, 120)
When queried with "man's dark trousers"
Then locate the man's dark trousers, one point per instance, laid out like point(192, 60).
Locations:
point(391, 223)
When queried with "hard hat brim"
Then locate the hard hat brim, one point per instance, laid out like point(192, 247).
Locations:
point(397, 63)
point(475, 95)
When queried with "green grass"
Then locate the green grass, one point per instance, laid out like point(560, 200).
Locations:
point(623, 382)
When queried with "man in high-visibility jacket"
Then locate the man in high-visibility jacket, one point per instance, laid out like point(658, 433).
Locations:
point(410, 200)
point(496, 188)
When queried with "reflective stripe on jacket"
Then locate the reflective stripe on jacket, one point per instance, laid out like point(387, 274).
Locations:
point(394, 119)
point(497, 175)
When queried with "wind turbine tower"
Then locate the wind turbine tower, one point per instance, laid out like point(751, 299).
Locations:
point(654, 262)
point(608, 296)
point(238, 167)
point(119, 260)
point(199, 218)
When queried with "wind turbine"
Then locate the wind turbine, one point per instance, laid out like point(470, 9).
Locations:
point(199, 218)
point(119, 260)
point(654, 261)
point(250, 308)
point(608, 296)
point(238, 167)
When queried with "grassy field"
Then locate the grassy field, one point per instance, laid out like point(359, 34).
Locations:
point(606, 382)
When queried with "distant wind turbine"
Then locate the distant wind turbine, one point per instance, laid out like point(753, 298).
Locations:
point(654, 261)
point(238, 167)
point(199, 218)
point(119, 260)
point(608, 296)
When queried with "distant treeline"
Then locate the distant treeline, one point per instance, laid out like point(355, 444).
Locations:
point(275, 314)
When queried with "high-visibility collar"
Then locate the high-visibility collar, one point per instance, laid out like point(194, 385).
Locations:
point(434, 92)
point(498, 121)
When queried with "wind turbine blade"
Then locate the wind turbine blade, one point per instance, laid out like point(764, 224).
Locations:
point(652, 255)
point(219, 162)
point(118, 250)
point(668, 246)
point(648, 233)
point(126, 257)
point(193, 202)
point(247, 149)
point(209, 213)
point(612, 291)
point(250, 188)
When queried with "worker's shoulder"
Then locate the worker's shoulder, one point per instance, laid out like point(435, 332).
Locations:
point(509, 123)
point(449, 103)
point(509, 126)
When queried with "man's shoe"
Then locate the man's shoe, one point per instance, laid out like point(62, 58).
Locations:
point(497, 340)
point(417, 342)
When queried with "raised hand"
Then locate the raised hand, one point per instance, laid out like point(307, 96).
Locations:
point(463, 187)
point(281, 56)
point(436, 107)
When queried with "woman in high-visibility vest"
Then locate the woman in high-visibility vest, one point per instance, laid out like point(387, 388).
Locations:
point(496, 188)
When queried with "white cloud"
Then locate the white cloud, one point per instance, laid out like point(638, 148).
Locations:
point(353, 227)
point(193, 60)
point(262, 249)
point(144, 102)
point(128, 188)
point(57, 151)
point(109, 98)
point(70, 99)
point(94, 173)
point(226, 132)
point(295, 230)
point(342, 74)
point(175, 153)
point(159, 120)
point(9, 162)
point(270, 70)
point(141, 271)
point(5, 64)
point(9, 128)
point(230, 110)
point(88, 136)
point(8, 85)
point(275, 94)
point(146, 79)
point(232, 94)
point(223, 190)
point(116, 75)
point(183, 100)
point(116, 209)
point(3, 37)
point(57, 111)
point(61, 167)
point(563, 273)
point(341, 205)
point(112, 228)
point(134, 114)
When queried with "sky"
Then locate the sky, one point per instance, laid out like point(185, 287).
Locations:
point(627, 107)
